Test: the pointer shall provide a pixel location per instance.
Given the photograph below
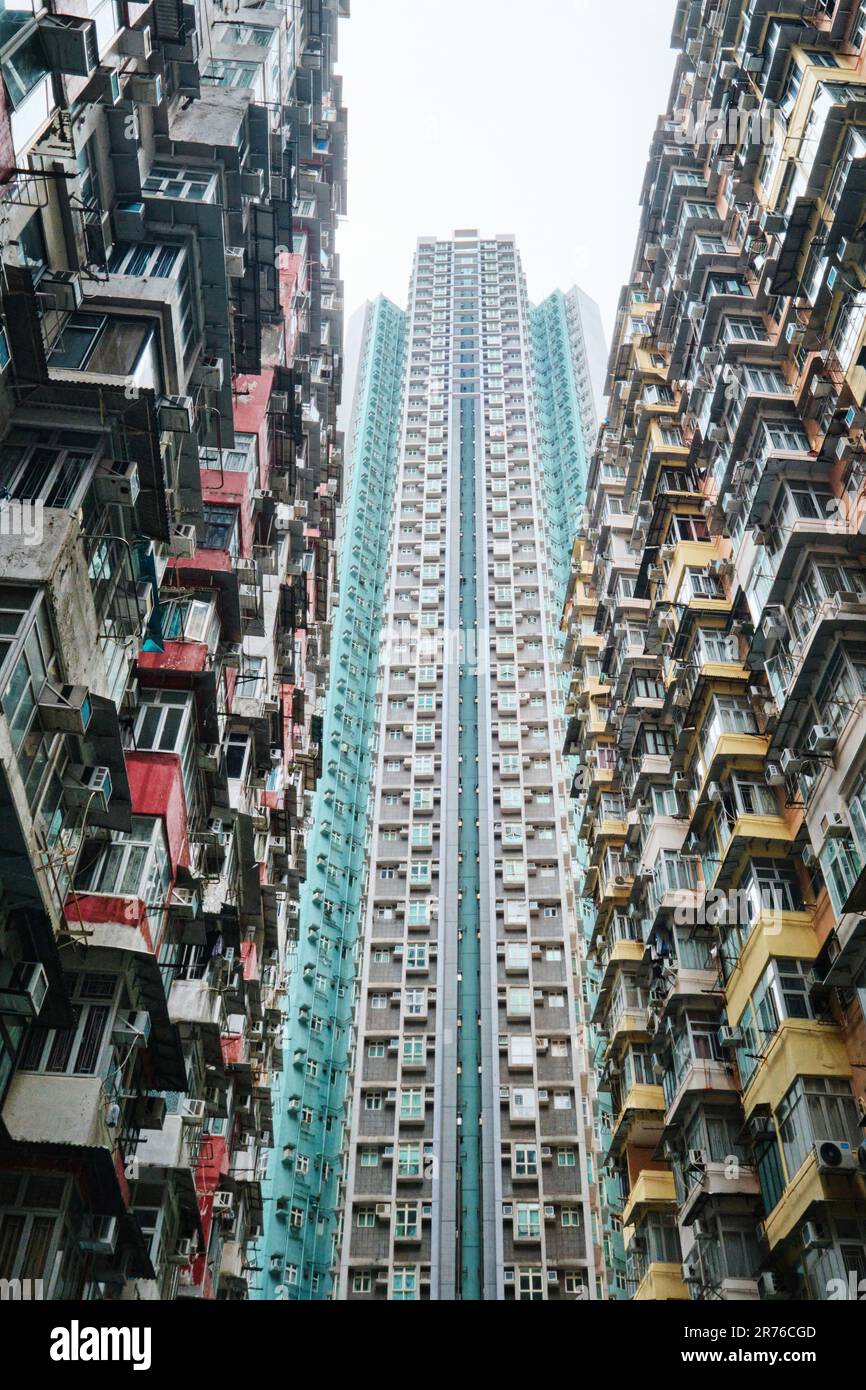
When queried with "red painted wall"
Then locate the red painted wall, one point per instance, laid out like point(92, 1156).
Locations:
point(157, 790)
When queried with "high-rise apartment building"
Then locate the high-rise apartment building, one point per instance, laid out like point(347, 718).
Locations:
point(444, 877)
point(170, 470)
point(714, 627)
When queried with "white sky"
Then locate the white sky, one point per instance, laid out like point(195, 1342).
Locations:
point(524, 116)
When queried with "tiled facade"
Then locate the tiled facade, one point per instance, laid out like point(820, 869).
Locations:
point(467, 1172)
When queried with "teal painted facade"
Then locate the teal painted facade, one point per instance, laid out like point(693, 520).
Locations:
point(469, 1101)
point(302, 1191)
point(562, 440)
point(561, 435)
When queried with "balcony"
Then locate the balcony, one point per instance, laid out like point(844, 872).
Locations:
point(719, 1184)
point(640, 1121)
point(653, 1191)
point(661, 1283)
point(799, 1047)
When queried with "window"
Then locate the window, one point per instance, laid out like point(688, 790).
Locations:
point(362, 1283)
point(219, 73)
point(31, 1208)
point(527, 1221)
point(409, 1160)
point(414, 1052)
point(416, 1002)
point(521, 1050)
point(190, 620)
point(365, 1218)
point(221, 529)
point(565, 1158)
point(518, 1002)
point(816, 1108)
point(404, 1283)
point(530, 1286)
point(406, 1221)
point(51, 465)
point(412, 1103)
point(165, 724)
point(133, 864)
point(81, 1050)
point(186, 185)
point(517, 955)
point(373, 1100)
point(525, 1161)
point(369, 1158)
point(154, 259)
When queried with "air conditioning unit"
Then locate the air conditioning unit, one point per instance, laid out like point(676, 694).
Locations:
point(730, 1038)
point(117, 483)
point(65, 709)
point(145, 600)
point(193, 1111)
point(70, 44)
point(770, 1287)
point(235, 262)
point(83, 786)
point(208, 757)
point(147, 1112)
point(23, 987)
point(223, 1201)
point(820, 739)
point(98, 1234)
point(815, 1236)
point(383, 1211)
point(773, 625)
point(791, 764)
point(210, 373)
point(177, 414)
point(131, 1028)
point(63, 288)
point(109, 86)
point(834, 825)
point(774, 775)
point(183, 1252)
point(135, 43)
point(128, 216)
point(99, 238)
point(253, 183)
point(183, 541)
point(145, 88)
point(835, 1156)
